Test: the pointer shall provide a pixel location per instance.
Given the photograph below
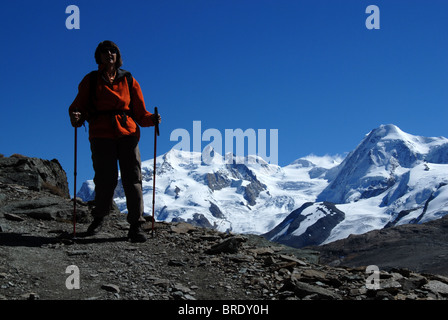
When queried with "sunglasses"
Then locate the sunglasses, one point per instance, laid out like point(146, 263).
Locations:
point(109, 49)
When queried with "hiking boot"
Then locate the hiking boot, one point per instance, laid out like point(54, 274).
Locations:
point(95, 226)
point(136, 233)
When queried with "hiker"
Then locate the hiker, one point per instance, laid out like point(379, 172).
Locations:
point(111, 101)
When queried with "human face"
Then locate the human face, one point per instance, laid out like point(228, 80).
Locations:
point(109, 55)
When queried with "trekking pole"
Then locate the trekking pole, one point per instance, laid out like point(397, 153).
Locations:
point(74, 191)
point(156, 133)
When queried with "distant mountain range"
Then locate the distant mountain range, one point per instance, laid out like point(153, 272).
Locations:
point(391, 178)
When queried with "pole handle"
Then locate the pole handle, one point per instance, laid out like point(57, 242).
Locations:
point(156, 113)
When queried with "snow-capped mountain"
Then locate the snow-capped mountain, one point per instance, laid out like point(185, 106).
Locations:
point(245, 196)
point(383, 156)
point(391, 178)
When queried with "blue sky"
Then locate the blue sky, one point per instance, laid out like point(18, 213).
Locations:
point(310, 69)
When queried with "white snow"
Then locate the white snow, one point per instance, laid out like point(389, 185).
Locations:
point(385, 175)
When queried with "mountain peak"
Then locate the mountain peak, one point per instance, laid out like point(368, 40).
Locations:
point(389, 131)
point(391, 137)
point(389, 127)
point(326, 161)
point(376, 163)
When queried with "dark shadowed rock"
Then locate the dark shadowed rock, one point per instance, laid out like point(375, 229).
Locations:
point(48, 208)
point(34, 173)
point(420, 247)
point(328, 217)
point(229, 245)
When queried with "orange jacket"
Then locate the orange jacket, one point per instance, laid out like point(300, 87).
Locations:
point(112, 97)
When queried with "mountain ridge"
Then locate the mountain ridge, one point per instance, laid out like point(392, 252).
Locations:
point(386, 180)
point(390, 178)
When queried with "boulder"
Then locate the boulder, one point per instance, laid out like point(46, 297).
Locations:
point(34, 173)
point(36, 188)
point(48, 208)
point(229, 245)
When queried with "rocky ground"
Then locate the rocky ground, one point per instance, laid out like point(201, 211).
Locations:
point(180, 262)
point(39, 260)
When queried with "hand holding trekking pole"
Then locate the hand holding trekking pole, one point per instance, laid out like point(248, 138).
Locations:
point(75, 118)
point(157, 116)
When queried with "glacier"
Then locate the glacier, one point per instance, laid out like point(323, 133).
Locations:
point(390, 178)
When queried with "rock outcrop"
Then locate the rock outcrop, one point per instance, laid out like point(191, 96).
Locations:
point(309, 225)
point(419, 247)
point(36, 188)
point(34, 173)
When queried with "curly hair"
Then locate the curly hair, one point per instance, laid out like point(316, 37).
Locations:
point(108, 44)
